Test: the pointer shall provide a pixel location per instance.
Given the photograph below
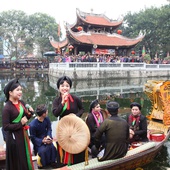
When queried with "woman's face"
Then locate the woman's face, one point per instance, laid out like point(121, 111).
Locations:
point(64, 88)
point(97, 108)
point(16, 93)
point(135, 110)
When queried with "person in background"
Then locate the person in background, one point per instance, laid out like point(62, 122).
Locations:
point(93, 121)
point(116, 132)
point(14, 119)
point(41, 137)
point(137, 124)
point(64, 105)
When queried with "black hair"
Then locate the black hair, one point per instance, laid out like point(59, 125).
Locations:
point(62, 79)
point(93, 104)
point(135, 104)
point(13, 84)
point(41, 109)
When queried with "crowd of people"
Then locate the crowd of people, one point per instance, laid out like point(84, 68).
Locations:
point(108, 58)
point(110, 135)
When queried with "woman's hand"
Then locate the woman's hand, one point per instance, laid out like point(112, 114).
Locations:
point(30, 110)
point(24, 120)
point(131, 133)
point(64, 98)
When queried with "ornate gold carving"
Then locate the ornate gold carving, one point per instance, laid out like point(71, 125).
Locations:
point(159, 94)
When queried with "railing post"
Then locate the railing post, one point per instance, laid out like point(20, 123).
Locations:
point(98, 66)
point(144, 64)
point(67, 65)
point(121, 65)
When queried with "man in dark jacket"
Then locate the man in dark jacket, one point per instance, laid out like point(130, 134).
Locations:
point(116, 132)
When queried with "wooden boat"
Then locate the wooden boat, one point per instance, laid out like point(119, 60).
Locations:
point(158, 123)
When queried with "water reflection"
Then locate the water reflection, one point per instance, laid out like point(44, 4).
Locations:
point(103, 87)
point(41, 88)
point(161, 161)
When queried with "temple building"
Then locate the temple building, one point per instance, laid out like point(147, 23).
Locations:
point(95, 34)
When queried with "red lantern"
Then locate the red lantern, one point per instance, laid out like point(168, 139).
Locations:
point(80, 28)
point(119, 31)
point(132, 52)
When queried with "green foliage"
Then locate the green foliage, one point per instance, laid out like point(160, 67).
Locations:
point(41, 26)
point(167, 58)
point(147, 58)
point(13, 28)
point(156, 23)
point(23, 32)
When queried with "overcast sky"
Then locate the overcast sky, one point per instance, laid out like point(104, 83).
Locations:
point(65, 10)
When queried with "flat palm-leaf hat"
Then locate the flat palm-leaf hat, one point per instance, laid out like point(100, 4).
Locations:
point(73, 134)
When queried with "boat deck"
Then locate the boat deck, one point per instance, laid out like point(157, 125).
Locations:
point(95, 164)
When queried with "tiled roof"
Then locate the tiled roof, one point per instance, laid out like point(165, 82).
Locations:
point(101, 21)
point(99, 39)
point(97, 19)
point(105, 39)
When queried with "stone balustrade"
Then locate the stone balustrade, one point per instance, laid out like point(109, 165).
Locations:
point(93, 70)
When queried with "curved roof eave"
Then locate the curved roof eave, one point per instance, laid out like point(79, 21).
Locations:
point(97, 19)
point(104, 39)
point(60, 44)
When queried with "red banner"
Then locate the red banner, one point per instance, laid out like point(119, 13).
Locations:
point(103, 51)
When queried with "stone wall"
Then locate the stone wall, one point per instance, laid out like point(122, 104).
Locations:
point(88, 74)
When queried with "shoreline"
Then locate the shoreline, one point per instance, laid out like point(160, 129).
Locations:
point(9, 70)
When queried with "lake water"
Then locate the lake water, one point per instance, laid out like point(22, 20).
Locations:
point(40, 88)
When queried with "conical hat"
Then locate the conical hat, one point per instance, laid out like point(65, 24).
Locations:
point(73, 134)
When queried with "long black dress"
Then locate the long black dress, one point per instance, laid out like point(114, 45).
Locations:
point(16, 158)
point(91, 123)
point(77, 108)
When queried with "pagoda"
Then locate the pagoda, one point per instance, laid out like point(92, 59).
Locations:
point(95, 34)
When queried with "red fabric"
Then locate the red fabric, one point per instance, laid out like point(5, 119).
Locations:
point(17, 106)
point(131, 119)
point(68, 101)
point(26, 127)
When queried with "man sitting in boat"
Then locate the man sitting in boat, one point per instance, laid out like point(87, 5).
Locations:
point(116, 132)
point(93, 121)
point(137, 124)
point(41, 137)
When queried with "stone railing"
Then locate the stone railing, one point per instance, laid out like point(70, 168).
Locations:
point(93, 70)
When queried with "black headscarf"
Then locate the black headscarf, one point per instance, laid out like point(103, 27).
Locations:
point(62, 79)
point(93, 104)
point(112, 107)
point(135, 104)
point(13, 84)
